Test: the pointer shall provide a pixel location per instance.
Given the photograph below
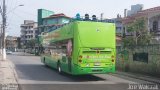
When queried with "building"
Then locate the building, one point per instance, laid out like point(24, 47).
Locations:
point(28, 31)
point(119, 30)
point(134, 9)
point(119, 25)
point(48, 21)
point(53, 22)
point(152, 22)
point(11, 43)
point(141, 57)
point(43, 13)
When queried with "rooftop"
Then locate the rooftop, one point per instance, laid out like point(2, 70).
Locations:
point(57, 15)
point(145, 12)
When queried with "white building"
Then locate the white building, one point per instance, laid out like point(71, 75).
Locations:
point(28, 31)
point(134, 9)
point(152, 23)
point(11, 43)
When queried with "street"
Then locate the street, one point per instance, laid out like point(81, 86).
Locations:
point(33, 75)
point(120, 40)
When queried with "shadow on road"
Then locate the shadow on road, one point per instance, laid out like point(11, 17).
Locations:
point(40, 72)
point(83, 78)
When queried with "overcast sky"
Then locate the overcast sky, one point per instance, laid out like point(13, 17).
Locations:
point(110, 8)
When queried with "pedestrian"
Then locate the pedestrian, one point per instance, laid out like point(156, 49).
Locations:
point(24, 52)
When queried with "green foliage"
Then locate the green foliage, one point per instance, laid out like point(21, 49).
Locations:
point(144, 40)
point(31, 43)
point(139, 32)
point(129, 41)
point(130, 28)
point(139, 24)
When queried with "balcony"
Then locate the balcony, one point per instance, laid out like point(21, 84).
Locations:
point(27, 29)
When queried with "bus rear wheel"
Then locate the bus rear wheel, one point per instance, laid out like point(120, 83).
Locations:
point(59, 68)
point(44, 61)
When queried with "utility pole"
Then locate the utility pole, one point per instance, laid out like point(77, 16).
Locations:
point(0, 38)
point(3, 30)
point(1, 33)
point(4, 18)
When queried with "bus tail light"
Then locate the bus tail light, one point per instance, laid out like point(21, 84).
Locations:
point(112, 60)
point(80, 61)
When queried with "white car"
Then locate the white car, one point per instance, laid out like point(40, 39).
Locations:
point(8, 52)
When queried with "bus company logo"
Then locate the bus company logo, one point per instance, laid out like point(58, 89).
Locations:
point(97, 57)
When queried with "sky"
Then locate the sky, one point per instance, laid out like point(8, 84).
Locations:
point(16, 15)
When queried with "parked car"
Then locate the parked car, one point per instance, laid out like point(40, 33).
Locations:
point(8, 52)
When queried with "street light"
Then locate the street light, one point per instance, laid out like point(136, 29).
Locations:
point(4, 18)
point(15, 8)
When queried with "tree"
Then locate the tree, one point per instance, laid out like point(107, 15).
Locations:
point(140, 35)
point(31, 43)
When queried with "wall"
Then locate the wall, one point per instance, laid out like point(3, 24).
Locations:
point(125, 60)
point(42, 13)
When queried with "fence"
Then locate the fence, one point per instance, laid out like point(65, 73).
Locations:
point(141, 59)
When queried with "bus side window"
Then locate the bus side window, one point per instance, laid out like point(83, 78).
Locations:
point(64, 49)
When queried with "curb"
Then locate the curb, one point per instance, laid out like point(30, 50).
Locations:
point(12, 66)
point(141, 77)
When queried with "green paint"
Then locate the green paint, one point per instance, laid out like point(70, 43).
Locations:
point(94, 41)
point(42, 13)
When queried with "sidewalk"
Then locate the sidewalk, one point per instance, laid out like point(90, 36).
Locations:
point(7, 75)
point(140, 76)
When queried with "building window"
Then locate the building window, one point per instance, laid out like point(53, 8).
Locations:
point(142, 57)
point(155, 26)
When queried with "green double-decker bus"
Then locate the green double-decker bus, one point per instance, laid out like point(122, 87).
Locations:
point(81, 47)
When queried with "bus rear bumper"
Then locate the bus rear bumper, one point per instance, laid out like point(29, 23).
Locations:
point(92, 70)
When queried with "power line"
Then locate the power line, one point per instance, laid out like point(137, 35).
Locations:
point(31, 14)
point(18, 15)
point(12, 5)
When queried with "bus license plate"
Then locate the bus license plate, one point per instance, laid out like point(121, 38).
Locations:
point(96, 64)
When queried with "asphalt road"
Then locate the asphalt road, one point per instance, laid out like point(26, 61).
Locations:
point(33, 75)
